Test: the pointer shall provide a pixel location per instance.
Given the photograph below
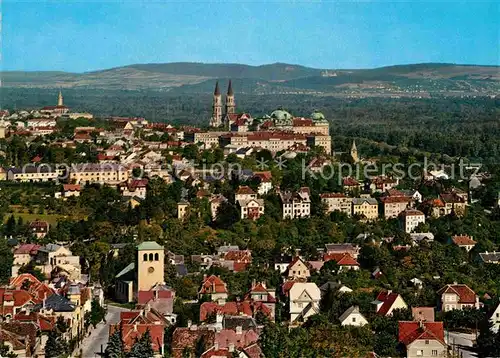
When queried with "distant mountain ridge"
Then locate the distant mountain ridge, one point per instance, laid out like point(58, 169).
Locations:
point(188, 77)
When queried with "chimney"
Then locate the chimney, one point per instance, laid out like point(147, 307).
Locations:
point(230, 348)
point(389, 292)
point(189, 323)
point(219, 317)
point(216, 346)
point(239, 330)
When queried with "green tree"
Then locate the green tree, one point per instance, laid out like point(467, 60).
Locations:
point(115, 348)
point(56, 345)
point(142, 348)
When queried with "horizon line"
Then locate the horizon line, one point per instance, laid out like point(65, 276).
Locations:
point(260, 65)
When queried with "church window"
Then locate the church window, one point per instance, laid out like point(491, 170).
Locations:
point(157, 257)
point(145, 257)
point(150, 257)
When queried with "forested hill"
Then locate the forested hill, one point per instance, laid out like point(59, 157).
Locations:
point(278, 78)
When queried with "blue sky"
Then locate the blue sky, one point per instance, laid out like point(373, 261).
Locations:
point(84, 36)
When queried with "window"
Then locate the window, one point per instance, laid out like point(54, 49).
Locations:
point(145, 257)
point(354, 319)
point(150, 257)
point(420, 353)
point(157, 257)
point(434, 353)
point(426, 341)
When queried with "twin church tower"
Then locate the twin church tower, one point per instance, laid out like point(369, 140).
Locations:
point(230, 107)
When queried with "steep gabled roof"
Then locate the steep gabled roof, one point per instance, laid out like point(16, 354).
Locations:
point(465, 293)
point(410, 331)
point(387, 299)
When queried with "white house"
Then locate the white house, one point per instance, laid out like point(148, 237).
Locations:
point(495, 319)
point(410, 219)
point(304, 301)
point(352, 317)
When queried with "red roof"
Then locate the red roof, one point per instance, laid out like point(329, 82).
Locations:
point(395, 199)
point(342, 259)
point(213, 284)
point(463, 240)
point(350, 182)
point(36, 159)
point(388, 299)
point(465, 293)
point(411, 331)
point(71, 187)
point(244, 189)
point(24, 249)
point(132, 332)
point(263, 176)
point(244, 256)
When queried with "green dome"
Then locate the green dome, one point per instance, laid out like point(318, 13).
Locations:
point(317, 116)
point(282, 117)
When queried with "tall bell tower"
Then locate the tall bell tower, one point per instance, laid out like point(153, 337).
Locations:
point(230, 105)
point(150, 265)
point(60, 101)
point(216, 120)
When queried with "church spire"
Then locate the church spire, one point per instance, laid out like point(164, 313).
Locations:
point(217, 90)
point(230, 89)
point(60, 99)
point(354, 152)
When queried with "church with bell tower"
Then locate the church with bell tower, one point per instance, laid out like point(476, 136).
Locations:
point(229, 105)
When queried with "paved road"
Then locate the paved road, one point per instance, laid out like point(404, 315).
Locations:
point(91, 345)
point(462, 342)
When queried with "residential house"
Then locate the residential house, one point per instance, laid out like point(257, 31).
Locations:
point(490, 257)
point(264, 179)
point(464, 242)
point(68, 191)
point(334, 286)
point(23, 255)
point(410, 219)
point(422, 339)
point(351, 185)
point(458, 297)
point(135, 323)
point(304, 301)
point(388, 301)
point(337, 202)
point(182, 209)
point(366, 208)
point(69, 309)
point(213, 287)
point(236, 260)
point(394, 205)
point(423, 314)
point(245, 193)
point(345, 248)
point(298, 269)
point(52, 256)
point(39, 228)
point(251, 209)
point(417, 238)
point(495, 319)
point(215, 202)
point(296, 204)
point(134, 188)
point(344, 260)
point(352, 317)
point(453, 202)
point(382, 183)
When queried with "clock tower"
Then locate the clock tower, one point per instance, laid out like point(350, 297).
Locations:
point(150, 265)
